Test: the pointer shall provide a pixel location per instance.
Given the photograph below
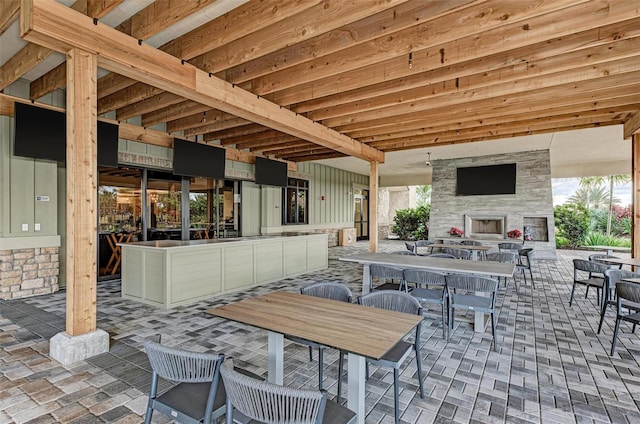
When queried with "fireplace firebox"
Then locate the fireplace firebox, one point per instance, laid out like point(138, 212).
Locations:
point(485, 226)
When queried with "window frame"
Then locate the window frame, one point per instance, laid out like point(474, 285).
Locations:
point(299, 186)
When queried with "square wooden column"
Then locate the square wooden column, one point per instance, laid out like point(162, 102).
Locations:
point(373, 207)
point(635, 178)
point(81, 338)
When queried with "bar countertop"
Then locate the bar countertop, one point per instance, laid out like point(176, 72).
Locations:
point(168, 244)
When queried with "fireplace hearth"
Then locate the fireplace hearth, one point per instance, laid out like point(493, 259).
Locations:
point(485, 226)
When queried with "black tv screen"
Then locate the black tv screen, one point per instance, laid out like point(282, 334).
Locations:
point(486, 180)
point(271, 172)
point(191, 159)
point(41, 133)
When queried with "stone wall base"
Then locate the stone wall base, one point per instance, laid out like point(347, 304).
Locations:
point(68, 349)
point(28, 272)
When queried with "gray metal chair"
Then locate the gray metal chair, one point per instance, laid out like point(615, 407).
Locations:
point(384, 273)
point(250, 400)
point(628, 297)
point(199, 396)
point(611, 279)
point(582, 267)
point(525, 259)
point(326, 290)
point(435, 291)
point(442, 255)
point(458, 253)
point(459, 286)
point(602, 258)
point(399, 302)
point(505, 257)
point(510, 247)
point(471, 243)
point(423, 243)
point(411, 247)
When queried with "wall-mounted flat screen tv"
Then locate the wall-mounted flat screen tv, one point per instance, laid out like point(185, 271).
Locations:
point(191, 159)
point(486, 180)
point(271, 172)
point(41, 133)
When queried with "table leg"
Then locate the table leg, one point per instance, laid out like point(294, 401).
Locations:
point(356, 385)
point(474, 255)
point(366, 278)
point(276, 358)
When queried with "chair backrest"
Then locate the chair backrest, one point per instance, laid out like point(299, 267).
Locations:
point(442, 255)
point(392, 300)
point(588, 266)
point(506, 257)
point(423, 243)
point(614, 276)
point(411, 247)
point(382, 271)
point(328, 290)
point(628, 291)
point(453, 242)
point(420, 276)
point(182, 366)
point(272, 403)
point(471, 242)
point(471, 283)
point(509, 246)
point(404, 252)
point(597, 257)
point(457, 253)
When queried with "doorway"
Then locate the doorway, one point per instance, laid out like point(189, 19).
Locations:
point(361, 218)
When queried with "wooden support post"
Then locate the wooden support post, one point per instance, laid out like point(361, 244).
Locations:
point(82, 191)
point(635, 178)
point(373, 207)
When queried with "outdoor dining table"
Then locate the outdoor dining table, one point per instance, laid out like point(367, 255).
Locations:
point(631, 280)
point(472, 248)
point(360, 331)
point(632, 262)
point(444, 265)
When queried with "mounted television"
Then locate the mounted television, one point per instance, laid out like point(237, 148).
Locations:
point(486, 180)
point(271, 172)
point(191, 159)
point(41, 133)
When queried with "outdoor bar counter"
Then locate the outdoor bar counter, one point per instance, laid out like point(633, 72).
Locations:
point(168, 273)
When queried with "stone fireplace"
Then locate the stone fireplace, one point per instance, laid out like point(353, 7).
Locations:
point(485, 226)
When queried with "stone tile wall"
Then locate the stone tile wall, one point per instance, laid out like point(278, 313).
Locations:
point(533, 196)
point(28, 272)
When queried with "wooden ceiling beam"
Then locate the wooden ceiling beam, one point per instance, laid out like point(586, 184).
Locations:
point(577, 65)
point(331, 155)
point(9, 12)
point(234, 132)
point(555, 96)
point(147, 105)
point(135, 93)
point(278, 141)
point(258, 137)
point(382, 78)
point(388, 21)
point(196, 120)
point(224, 124)
point(135, 133)
point(283, 147)
point(491, 20)
point(100, 8)
point(447, 94)
point(632, 125)
point(173, 112)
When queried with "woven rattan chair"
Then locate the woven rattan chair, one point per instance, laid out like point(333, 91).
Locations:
point(255, 401)
point(525, 259)
point(442, 255)
point(400, 302)
point(611, 279)
point(460, 287)
point(628, 297)
point(434, 292)
point(423, 244)
point(458, 253)
point(199, 396)
point(411, 247)
point(505, 257)
point(326, 290)
point(583, 274)
point(602, 258)
point(510, 247)
point(384, 273)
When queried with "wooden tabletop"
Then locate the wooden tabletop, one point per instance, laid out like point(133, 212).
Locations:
point(632, 280)
point(623, 261)
point(459, 246)
point(350, 327)
point(485, 268)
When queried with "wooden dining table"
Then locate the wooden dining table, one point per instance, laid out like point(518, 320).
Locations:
point(474, 249)
point(360, 331)
point(444, 265)
point(632, 262)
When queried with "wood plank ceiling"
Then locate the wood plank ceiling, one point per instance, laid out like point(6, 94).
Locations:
point(392, 74)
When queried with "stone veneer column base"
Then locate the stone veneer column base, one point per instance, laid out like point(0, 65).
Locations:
point(68, 349)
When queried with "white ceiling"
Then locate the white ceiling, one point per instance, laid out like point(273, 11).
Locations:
point(594, 151)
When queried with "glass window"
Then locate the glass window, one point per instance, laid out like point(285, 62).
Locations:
point(296, 202)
